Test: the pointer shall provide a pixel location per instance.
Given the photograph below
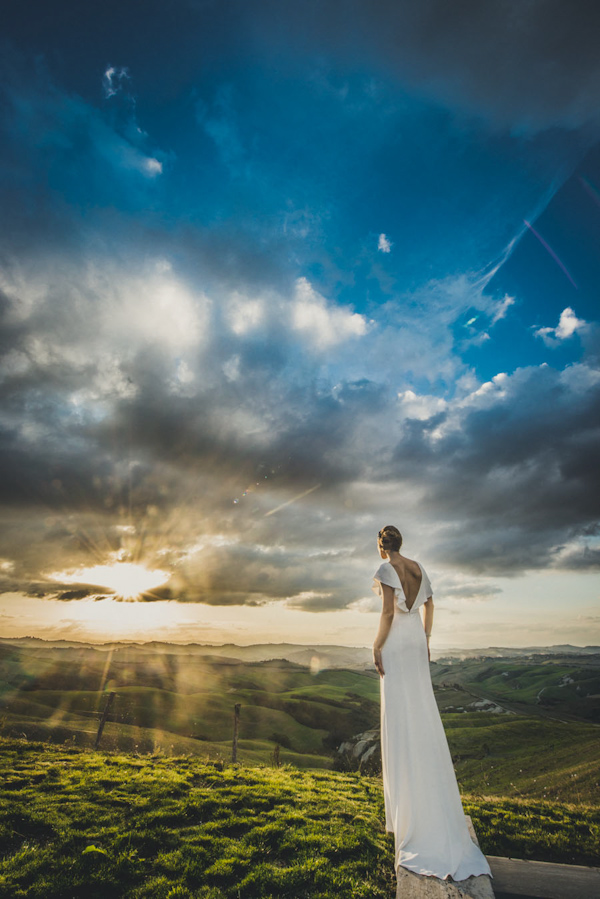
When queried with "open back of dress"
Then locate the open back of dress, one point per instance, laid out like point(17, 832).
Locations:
point(423, 808)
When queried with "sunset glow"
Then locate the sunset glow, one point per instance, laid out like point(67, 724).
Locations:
point(126, 579)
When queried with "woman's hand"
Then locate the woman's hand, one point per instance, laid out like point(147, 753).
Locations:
point(378, 661)
point(428, 651)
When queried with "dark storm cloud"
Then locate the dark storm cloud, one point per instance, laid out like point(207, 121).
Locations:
point(148, 448)
point(244, 573)
point(582, 558)
point(102, 426)
point(303, 438)
point(526, 63)
point(509, 471)
point(512, 473)
point(530, 64)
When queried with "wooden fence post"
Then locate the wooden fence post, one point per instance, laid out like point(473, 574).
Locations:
point(236, 727)
point(109, 701)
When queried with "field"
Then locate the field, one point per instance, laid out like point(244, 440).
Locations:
point(516, 746)
point(564, 687)
point(160, 811)
point(81, 823)
point(184, 705)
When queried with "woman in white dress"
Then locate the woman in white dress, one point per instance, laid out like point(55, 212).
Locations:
point(423, 808)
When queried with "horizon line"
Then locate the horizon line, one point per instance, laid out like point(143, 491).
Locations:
point(280, 643)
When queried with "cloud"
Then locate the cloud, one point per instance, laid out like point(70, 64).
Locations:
point(221, 473)
point(245, 314)
point(152, 166)
point(483, 58)
point(469, 591)
point(220, 123)
point(384, 244)
point(420, 408)
point(502, 308)
point(568, 325)
point(191, 400)
point(155, 413)
point(581, 553)
point(114, 80)
point(323, 325)
point(205, 396)
point(71, 154)
point(310, 601)
point(508, 469)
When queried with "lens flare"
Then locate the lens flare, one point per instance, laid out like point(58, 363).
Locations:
point(552, 253)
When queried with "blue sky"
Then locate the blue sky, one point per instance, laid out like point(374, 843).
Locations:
point(274, 276)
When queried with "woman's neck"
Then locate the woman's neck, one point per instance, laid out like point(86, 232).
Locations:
point(395, 558)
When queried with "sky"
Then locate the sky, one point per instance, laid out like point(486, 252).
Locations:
point(273, 276)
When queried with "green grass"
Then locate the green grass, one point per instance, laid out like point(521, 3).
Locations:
point(536, 829)
point(124, 738)
point(184, 705)
point(164, 700)
point(525, 757)
point(529, 684)
point(78, 823)
point(82, 823)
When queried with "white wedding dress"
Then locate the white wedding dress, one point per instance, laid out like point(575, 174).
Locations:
point(423, 808)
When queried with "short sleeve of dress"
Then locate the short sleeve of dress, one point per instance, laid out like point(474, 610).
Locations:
point(385, 574)
point(427, 588)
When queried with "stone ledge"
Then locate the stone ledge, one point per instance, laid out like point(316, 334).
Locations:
point(522, 877)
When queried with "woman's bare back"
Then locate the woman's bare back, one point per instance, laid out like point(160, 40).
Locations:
point(410, 575)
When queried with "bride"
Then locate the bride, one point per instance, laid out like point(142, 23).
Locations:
point(423, 808)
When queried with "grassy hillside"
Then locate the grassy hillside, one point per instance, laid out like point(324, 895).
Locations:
point(184, 702)
point(90, 824)
point(525, 757)
point(565, 687)
point(183, 705)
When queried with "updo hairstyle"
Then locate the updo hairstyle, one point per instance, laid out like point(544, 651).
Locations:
point(390, 538)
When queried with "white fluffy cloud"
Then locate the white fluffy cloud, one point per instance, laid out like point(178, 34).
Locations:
point(323, 324)
point(245, 314)
point(568, 325)
point(384, 244)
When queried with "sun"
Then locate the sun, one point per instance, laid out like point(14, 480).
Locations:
point(127, 579)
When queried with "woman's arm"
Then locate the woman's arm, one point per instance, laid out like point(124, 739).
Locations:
point(385, 623)
point(428, 622)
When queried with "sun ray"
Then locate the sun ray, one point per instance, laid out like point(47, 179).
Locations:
point(126, 579)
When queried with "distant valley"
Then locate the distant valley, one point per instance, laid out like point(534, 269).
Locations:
point(518, 724)
point(319, 655)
